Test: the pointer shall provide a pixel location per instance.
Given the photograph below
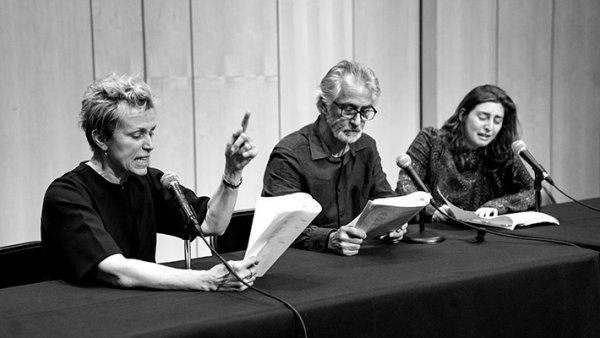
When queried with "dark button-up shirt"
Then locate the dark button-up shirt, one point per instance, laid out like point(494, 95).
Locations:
point(301, 162)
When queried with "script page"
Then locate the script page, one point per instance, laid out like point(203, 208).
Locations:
point(506, 221)
point(382, 215)
point(277, 223)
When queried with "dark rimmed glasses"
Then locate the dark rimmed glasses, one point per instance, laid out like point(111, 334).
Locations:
point(349, 111)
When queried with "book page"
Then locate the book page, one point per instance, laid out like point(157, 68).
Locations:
point(531, 217)
point(506, 221)
point(382, 215)
point(277, 222)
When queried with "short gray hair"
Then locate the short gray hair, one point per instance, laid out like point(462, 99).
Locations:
point(108, 99)
point(331, 84)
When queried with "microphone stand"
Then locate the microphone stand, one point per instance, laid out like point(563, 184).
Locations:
point(423, 236)
point(192, 221)
point(537, 186)
point(186, 253)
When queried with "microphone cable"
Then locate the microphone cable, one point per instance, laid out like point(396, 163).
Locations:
point(230, 269)
point(480, 237)
point(574, 200)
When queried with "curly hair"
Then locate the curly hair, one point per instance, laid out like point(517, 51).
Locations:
point(498, 152)
point(107, 100)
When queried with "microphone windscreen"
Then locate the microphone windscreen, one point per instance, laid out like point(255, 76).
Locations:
point(403, 161)
point(168, 179)
point(518, 146)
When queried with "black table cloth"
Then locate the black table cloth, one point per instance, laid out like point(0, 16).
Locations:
point(457, 288)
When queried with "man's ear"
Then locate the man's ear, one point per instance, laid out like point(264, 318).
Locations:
point(99, 140)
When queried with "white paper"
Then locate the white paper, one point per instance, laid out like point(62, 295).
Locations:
point(382, 215)
point(277, 223)
point(506, 221)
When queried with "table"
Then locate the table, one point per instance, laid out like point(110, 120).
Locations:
point(578, 224)
point(457, 288)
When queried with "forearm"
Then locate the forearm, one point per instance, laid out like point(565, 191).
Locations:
point(220, 209)
point(131, 273)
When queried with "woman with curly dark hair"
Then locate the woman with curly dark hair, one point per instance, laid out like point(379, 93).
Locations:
point(470, 159)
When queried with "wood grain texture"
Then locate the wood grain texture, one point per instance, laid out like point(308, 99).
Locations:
point(465, 56)
point(269, 56)
point(524, 69)
point(313, 36)
point(169, 72)
point(576, 98)
point(235, 69)
point(387, 40)
point(45, 65)
point(118, 37)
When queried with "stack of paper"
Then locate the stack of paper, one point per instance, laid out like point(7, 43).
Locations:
point(382, 215)
point(277, 223)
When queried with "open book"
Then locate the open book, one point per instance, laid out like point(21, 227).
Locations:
point(506, 221)
point(277, 223)
point(383, 215)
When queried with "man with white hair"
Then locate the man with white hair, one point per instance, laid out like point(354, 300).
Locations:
point(334, 161)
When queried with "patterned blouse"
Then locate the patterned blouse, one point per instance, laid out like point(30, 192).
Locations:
point(470, 186)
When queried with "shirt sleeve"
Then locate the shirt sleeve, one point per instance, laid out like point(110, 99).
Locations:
point(170, 219)
point(75, 229)
point(380, 187)
point(517, 186)
point(282, 176)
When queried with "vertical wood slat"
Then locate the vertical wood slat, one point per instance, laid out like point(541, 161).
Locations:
point(387, 40)
point(118, 37)
point(313, 36)
point(235, 65)
point(45, 63)
point(52, 58)
point(576, 98)
point(524, 68)
point(169, 73)
point(465, 56)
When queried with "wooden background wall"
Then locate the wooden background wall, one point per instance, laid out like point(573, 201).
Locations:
point(210, 60)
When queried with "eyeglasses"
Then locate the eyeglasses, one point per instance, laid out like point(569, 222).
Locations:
point(349, 111)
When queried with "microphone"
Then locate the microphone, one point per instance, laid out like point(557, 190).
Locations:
point(519, 148)
point(404, 162)
point(170, 181)
point(422, 236)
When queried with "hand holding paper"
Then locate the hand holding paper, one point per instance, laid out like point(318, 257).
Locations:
point(383, 215)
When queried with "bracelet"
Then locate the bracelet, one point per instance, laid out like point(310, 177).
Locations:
point(231, 185)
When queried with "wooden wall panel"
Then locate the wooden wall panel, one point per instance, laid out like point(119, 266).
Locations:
point(465, 53)
point(525, 68)
point(388, 42)
point(169, 72)
point(235, 69)
point(576, 98)
point(269, 56)
point(313, 36)
point(118, 37)
point(45, 64)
